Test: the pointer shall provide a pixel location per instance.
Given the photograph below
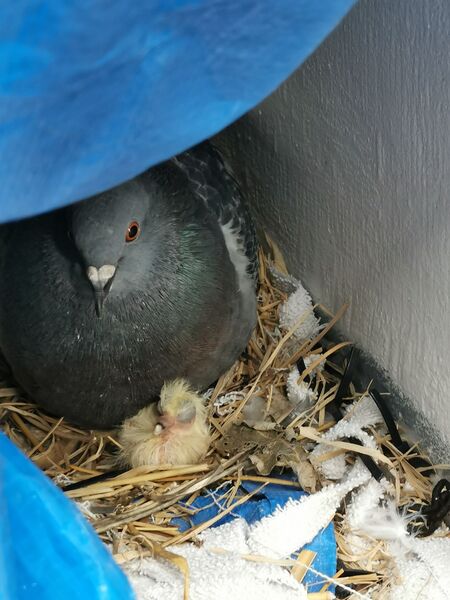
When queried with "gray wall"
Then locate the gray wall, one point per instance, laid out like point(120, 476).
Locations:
point(348, 166)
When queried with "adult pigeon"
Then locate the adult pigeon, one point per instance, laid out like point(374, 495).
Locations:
point(103, 301)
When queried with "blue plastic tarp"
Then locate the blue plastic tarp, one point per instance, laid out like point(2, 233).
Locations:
point(48, 551)
point(93, 92)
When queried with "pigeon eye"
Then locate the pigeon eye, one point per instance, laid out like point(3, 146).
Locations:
point(132, 231)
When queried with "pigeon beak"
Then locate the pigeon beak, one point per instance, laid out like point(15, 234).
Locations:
point(101, 280)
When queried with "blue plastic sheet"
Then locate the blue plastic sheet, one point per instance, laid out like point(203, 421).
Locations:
point(260, 505)
point(48, 551)
point(93, 92)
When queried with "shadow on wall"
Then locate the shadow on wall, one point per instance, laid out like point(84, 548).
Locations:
point(348, 164)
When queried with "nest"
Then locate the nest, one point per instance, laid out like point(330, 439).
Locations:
point(132, 511)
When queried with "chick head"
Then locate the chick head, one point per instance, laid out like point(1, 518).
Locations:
point(173, 432)
point(179, 405)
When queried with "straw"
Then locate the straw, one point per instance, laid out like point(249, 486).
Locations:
point(134, 510)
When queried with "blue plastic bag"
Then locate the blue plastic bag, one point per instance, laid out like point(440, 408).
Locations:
point(93, 92)
point(48, 551)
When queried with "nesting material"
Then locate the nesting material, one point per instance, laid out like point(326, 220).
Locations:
point(221, 567)
point(360, 416)
point(299, 303)
point(133, 511)
point(299, 392)
point(173, 431)
point(280, 534)
point(422, 570)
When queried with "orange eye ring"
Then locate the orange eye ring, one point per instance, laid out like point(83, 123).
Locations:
point(133, 231)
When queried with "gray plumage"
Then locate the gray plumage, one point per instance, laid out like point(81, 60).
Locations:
point(177, 301)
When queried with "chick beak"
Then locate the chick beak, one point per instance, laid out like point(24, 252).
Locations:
point(166, 421)
point(101, 280)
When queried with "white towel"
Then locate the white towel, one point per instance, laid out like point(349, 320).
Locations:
point(218, 569)
point(297, 523)
point(214, 576)
point(424, 572)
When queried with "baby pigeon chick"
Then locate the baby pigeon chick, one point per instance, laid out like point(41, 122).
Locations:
point(173, 431)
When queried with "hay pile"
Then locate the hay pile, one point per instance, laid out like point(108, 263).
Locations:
point(133, 510)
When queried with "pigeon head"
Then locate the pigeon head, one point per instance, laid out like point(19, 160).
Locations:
point(107, 231)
